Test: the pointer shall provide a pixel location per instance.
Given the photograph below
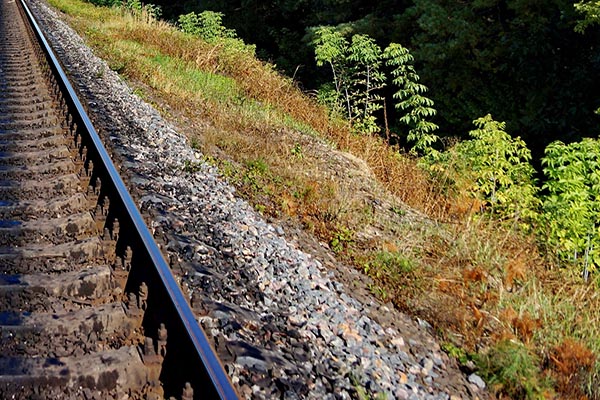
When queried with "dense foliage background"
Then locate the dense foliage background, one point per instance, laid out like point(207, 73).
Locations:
point(520, 60)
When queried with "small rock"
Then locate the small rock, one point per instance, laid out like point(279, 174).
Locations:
point(476, 380)
point(427, 365)
point(398, 342)
point(325, 333)
point(401, 394)
point(403, 377)
point(246, 391)
point(251, 362)
point(267, 301)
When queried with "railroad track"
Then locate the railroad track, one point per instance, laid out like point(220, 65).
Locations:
point(88, 306)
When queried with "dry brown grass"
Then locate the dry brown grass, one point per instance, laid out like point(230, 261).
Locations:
point(570, 363)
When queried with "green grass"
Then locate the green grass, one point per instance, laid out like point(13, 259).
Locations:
point(511, 367)
point(208, 85)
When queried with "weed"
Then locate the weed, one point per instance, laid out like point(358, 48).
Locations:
point(510, 368)
point(362, 392)
point(258, 166)
point(191, 166)
point(99, 73)
point(379, 291)
point(195, 143)
point(341, 239)
point(398, 211)
point(388, 262)
point(139, 92)
point(297, 151)
point(391, 271)
point(571, 362)
point(117, 65)
point(456, 352)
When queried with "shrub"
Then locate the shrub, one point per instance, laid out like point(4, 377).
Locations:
point(511, 369)
point(494, 168)
point(572, 206)
point(208, 25)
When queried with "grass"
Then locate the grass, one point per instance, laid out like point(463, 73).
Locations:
point(531, 327)
point(511, 367)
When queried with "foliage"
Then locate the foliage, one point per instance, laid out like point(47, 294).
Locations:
point(341, 239)
point(358, 82)
point(390, 269)
point(366, 80)
point(357, 78)
point(297, 151)
point(410, 98)
point(208, 25)
point(456, 352)
point(572, 206)
point(153, 11)
point(331, 48)
point(591, 14)
point(511, 369)
point(133, 5)
point(498, 171)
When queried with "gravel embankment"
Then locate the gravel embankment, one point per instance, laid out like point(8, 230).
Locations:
point(284, 327)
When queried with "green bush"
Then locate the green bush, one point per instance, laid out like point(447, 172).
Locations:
point(494, 168)
point(572, 205)
point(511, 369)
point(208, 25)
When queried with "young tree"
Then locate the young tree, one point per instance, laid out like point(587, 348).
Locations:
point(411, 100)
point(355, 67)
point(572, 206)
point(331, 48)
point(366, 58)
point(499, 168)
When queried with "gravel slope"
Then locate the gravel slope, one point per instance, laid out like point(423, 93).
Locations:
point(282, 322)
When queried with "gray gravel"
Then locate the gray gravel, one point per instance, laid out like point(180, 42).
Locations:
point(281, 323)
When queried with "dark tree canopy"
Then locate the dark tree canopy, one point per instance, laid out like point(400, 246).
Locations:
point(519, 60)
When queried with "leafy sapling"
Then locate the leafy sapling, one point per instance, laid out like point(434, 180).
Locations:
point(367, 79)
point(411, 100)
point(572, 205)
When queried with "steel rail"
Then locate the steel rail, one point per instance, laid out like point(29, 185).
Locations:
point(222, 387)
